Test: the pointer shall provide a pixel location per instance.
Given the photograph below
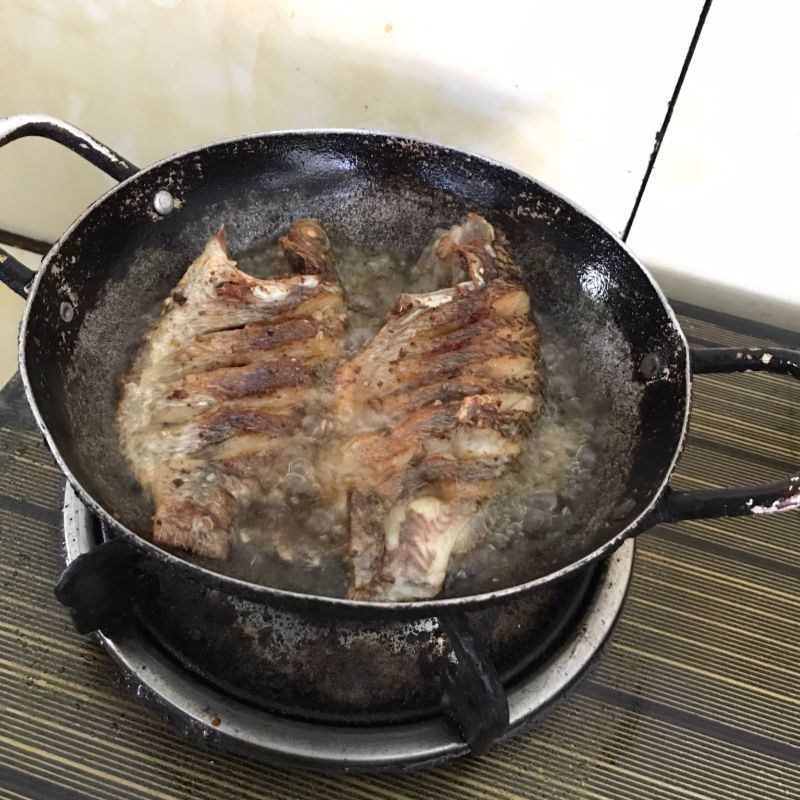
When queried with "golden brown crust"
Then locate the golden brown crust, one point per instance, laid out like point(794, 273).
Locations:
point(308, 249)
point(231, 383)
point(227, 423)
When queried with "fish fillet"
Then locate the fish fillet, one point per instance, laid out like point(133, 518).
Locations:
point(213, 411)
point(433, 411)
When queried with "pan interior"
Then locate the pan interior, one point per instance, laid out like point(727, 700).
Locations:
point(381, 193)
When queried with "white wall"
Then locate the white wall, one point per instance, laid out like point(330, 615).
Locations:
point(720, 218)
point(571, 92)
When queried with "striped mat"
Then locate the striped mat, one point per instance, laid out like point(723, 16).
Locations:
point(697, 696)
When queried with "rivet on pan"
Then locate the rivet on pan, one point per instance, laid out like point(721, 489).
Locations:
point(163, 202)
point(650, 366)
point(67, 311)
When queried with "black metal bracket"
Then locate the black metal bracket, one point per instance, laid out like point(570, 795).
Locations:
point(104, 585)
point(12, 239)
point(473, 695)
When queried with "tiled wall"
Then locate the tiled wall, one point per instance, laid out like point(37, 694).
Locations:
point(571, 92)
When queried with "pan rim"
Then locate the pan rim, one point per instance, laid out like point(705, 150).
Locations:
point(358, 607)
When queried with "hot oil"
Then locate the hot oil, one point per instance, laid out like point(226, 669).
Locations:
point(291, 540)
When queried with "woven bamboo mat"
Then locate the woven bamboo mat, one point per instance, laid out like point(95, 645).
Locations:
point(697, 696)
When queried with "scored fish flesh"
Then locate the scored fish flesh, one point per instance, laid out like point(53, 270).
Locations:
point(213, 411)
point(432, 413)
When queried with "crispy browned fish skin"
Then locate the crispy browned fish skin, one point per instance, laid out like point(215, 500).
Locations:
point(215, 401)
point(438, 402)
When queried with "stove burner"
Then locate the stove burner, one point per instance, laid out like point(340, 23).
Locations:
point(235, 722)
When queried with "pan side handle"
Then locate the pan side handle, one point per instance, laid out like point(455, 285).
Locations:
point(473, 694)
point(767, 498)
point(13, 273)
point(101, 586)
point(86, 146)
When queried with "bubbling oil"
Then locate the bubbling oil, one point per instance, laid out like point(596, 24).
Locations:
point(293, 541)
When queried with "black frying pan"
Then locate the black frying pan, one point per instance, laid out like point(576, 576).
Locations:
point(87, 309)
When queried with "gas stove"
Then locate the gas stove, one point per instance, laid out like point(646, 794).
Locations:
point(559, 635)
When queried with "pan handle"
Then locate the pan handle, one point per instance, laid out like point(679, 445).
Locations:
point(765, 498)
point(473, 694)
point(87, 147)
point(101, 586)
point(15, 274)
point(12, 273)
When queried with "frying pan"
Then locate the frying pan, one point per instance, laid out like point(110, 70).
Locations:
point(92, 300)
